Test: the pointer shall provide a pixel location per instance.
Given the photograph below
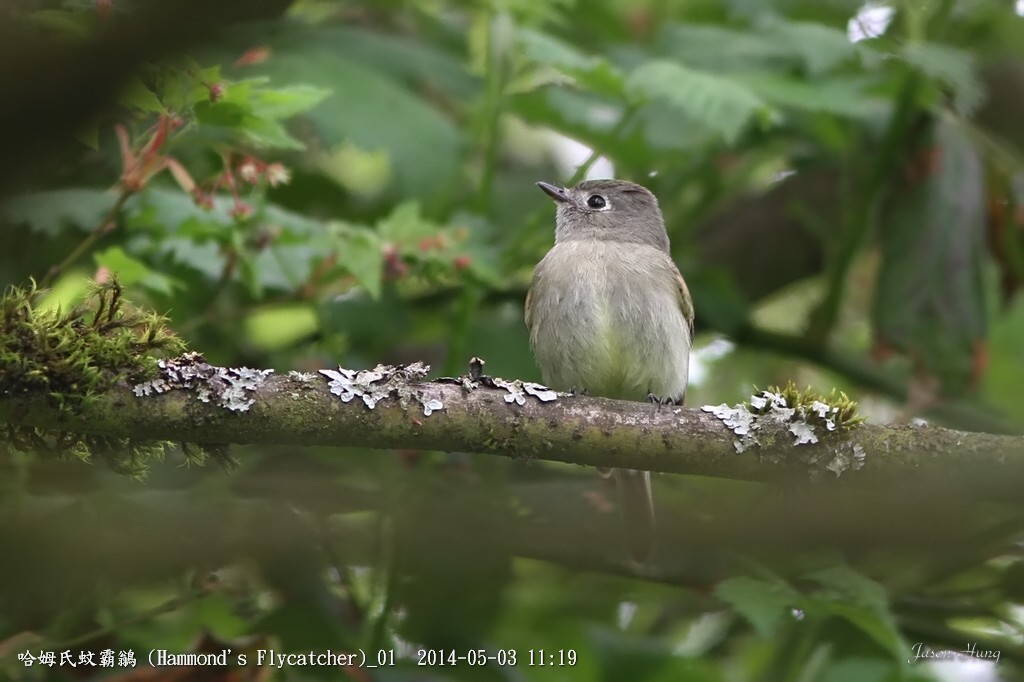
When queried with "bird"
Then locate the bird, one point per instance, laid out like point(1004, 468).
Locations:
point(609, 314)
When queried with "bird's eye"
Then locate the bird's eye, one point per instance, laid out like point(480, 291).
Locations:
point(596, 201)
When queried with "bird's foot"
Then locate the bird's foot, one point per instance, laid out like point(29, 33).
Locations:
point(659, 401)
point(579, 391)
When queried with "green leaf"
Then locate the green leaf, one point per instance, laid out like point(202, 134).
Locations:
point(405, 225)
point(819, 46)
point(406, 58)
point(136, 95)
point(131, 271)
point(249, 270)
point(285, 267)
point(265, 132)
point(854, 587)
point(594, 73)
point(841, 96)
point(572, 112)
point(952, 68)
point(362, 172)
point(863, 603)
point(359, 251)
point(255, 129)
point(762, 603)
point(223, 113)
point(241, 92)
point(423, 144)
point(127, 269)
point(281, 103)
point(280, 327)
point(51, 212)
point(720, 104)
point(294, 227)
point(878, 624)
point(930, 299)
point(713, 47)
point(192, 237)
point(165, 211)
point(205, 258)
point(254, 113)
point(184, 83)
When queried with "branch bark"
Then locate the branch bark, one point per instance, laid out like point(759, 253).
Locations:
point(301, 410)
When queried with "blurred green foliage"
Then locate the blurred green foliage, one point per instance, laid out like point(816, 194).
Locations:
point(352, 182)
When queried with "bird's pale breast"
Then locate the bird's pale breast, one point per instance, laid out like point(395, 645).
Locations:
point(606, 317)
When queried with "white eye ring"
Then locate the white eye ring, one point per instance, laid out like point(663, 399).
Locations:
point(597, 202)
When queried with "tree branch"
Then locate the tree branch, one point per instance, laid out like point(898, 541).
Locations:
point(210, 405)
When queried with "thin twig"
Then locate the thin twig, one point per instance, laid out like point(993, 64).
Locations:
point(107, 225)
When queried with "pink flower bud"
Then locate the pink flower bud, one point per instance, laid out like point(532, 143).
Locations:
point(241, 211)
point(217, 91)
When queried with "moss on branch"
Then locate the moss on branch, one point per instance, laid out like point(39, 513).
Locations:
point(71, 358)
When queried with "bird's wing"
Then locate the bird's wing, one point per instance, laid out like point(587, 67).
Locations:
point(528, 308)
point(686, 307)
point(685, 301)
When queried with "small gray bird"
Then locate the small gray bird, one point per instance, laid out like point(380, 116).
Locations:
point(609, 314)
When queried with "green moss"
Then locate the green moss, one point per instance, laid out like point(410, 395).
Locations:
point(834, 412)
point(71, 357)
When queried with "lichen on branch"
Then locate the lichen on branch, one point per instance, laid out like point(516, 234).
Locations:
point(94, 383)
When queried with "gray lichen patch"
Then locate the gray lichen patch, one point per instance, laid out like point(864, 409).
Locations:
point(381, 382)
point(845, 458)
point(431, 406)
point(227, 387)
point(804, 415)
point(518, 390)
point(748, 425)
point(739, 420)
point(804, 433)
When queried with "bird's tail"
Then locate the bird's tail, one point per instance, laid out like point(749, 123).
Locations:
point(637, 508)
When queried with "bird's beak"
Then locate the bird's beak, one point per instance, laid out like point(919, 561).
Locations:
point(555, 192)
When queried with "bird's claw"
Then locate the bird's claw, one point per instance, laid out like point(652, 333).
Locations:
point(659, 401)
